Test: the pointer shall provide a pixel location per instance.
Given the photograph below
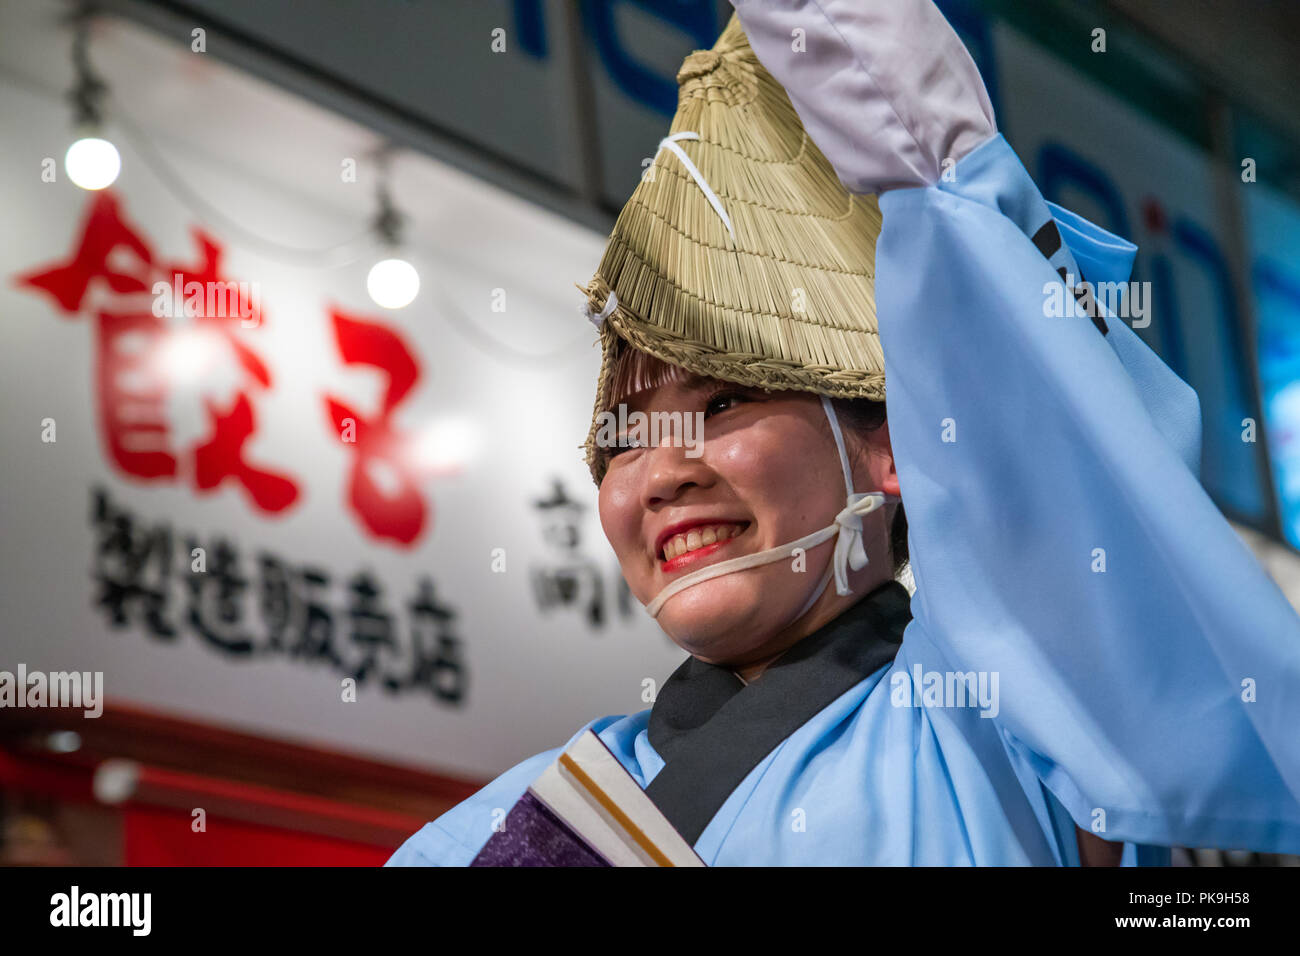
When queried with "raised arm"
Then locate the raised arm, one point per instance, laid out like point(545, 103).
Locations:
point(885, 88)
point(1149, 668)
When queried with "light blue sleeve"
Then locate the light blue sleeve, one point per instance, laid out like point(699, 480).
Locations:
point(1149, 669)
point(456, 837)
point(1133, 854)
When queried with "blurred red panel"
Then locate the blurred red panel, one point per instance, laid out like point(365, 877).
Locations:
point(156, 837)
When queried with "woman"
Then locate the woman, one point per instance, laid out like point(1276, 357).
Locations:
point(1092, 668)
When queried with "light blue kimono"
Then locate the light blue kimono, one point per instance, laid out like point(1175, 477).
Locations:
point(1148, 670)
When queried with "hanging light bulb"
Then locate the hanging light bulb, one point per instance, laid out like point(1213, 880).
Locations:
point(91, 162)
point(392, 282)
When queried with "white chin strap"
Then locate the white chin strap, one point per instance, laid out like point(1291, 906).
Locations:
point(847, 530)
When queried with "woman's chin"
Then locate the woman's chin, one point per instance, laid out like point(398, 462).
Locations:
point(708, 619)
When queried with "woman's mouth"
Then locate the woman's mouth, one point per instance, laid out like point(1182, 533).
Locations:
point(697, 543)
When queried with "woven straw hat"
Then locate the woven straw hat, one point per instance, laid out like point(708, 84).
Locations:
point(774, 286)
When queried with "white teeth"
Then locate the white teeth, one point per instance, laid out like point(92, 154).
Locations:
point(699, 537)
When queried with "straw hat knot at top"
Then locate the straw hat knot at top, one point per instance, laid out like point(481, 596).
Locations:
point(699, 63)
point(718, 75)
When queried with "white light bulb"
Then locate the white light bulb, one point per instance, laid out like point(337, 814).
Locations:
point(92, 163)
point(115, 780)
point(393, 283)
point(63, 741)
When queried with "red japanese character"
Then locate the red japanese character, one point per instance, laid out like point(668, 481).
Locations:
point(384, 483)
point(143, 357)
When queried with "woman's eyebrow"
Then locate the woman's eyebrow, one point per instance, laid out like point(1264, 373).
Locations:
point(698, 383)
point(689, 382)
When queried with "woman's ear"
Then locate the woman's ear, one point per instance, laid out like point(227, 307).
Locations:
point(880, 461)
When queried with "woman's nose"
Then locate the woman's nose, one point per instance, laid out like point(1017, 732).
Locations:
point(670, 471)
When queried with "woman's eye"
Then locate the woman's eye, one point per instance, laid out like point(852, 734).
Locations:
point(624, 443)
point(722, 401)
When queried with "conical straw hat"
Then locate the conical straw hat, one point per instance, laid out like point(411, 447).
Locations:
point(784, 298)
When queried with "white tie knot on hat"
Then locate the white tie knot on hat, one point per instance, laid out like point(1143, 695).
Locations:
point(598, 318)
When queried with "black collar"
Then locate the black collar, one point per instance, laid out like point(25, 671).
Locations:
point(711, 729)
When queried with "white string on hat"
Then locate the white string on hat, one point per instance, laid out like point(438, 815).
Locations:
point(846, 529)
point(670, 142)
point(598, 318)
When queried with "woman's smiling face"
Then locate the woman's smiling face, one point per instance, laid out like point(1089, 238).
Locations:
point(766, 473)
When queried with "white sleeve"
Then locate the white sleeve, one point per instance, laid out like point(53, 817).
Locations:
point(885, 88)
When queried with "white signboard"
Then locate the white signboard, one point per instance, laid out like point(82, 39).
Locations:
point(233, 515)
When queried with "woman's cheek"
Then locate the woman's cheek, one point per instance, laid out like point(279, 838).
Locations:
point(759, 463)
point(620, 518)
point(738, 456)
